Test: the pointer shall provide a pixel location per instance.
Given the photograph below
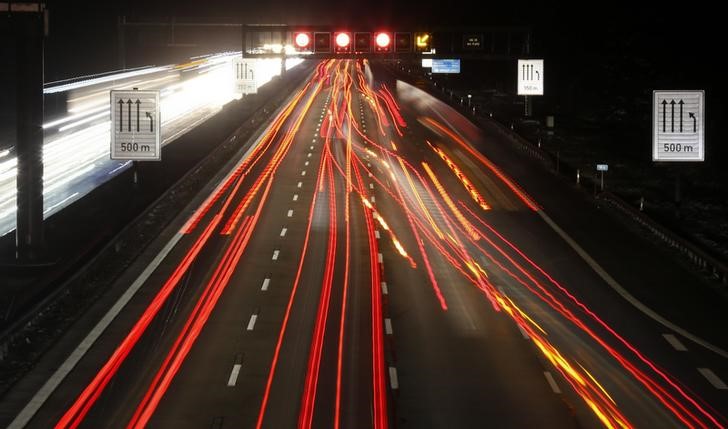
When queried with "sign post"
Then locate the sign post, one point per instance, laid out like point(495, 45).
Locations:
point(135, 126)
point(678, 124)
point(245, 75)
point(601, 168)
point(530, 81)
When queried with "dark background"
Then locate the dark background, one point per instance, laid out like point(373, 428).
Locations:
point(603, 59)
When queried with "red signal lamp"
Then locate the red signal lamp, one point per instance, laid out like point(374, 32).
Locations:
point(383, 41)
point(302, 40)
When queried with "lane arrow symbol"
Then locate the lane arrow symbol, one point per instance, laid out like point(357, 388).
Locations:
point(664, 116)
point(681, 114)
point(538, 75)
point(695, 121)
point(151, 121)
point(128, 104)
point(672, 116)
point(121, 116)
point(137, 104)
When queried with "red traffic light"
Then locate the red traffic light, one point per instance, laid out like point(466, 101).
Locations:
point(302, 40)
point(383, 40)
point(343, 40)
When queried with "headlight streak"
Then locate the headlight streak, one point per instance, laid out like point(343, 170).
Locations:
point(77, 412)
point(597, 399)
point(88, 104)
point(463, 179)
point(678, 408)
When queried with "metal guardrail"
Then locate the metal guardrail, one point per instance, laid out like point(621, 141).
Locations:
point(693, 253)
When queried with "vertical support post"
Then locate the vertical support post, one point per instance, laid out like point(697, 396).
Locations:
point(29, 28)
point(601, 175)
point(121, 41)
point(528, 109)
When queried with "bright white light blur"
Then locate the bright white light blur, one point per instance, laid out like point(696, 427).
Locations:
point(302, 40)
point(343, 40)
point(383, 40)
point(76, 155)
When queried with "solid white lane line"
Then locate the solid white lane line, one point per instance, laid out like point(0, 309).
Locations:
point(674, 342)
point(234, 375)
point(300, 184)
point(295, 197)
point(713, 379)
point(385, 291)
point(393, 378)
point(376, 233)
point(251, 323)
point(290, 213)
point(626, 295)
point(266, 283)
point(380, 258)
point(388, 326)
point(283, 232)
point(524, 333)
point(32, 407)
point(275, 254)
point(552, 382)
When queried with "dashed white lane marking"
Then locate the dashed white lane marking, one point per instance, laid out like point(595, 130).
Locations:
point(283, 232)
point(313, 141)
point(306, 163)
point(290, 213)
point(370, 174)
point(376, 234)
point(713, 379)
point(234, 375)
point(251, 323)
point(309, 155)
point(608, 279)
point(295, 197)
point(552, 382)
point(380, 258)
point(385, 290)
point(371, 186)
point(674, 342)
point(311, 147)
point(369, 164)
point(393, 382)
point(388, 326)
point(303, 173)
point(266, 283)
point(300, 184)
point(374, 199)
point(275, 254)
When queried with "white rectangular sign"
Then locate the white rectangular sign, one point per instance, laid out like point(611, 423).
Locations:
point(244, 70)
point(135, 126)
point(602, 167)
point(427, 63)
point(530, 77)
point(678, 119)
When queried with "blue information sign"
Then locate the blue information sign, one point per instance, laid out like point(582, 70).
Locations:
point(445, 66)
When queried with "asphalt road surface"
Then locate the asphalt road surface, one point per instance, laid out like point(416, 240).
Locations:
point(364, 265)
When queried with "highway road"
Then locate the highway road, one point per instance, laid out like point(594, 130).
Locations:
point(76, 149)
point(365, 265)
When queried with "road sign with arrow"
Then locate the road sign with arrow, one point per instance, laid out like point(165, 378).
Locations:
point(530, 77)
point(245, 75)
point(135, 125)
point(678, 126)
